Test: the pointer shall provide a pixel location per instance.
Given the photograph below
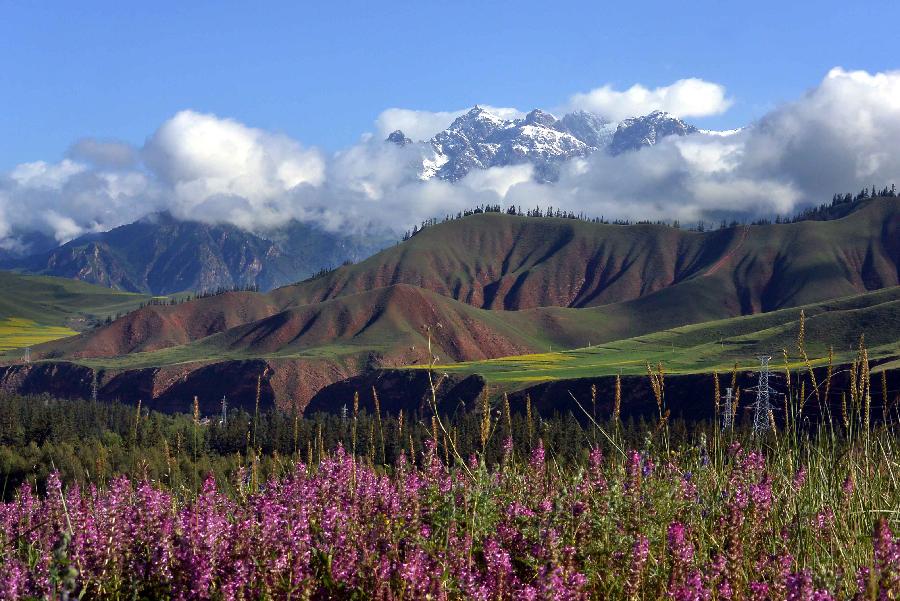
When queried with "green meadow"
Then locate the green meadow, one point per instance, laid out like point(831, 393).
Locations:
point(37, 309)
point(718, 345)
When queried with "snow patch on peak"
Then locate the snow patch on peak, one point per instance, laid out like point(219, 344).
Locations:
point(638, 132)
point(539, 117)
point(481, 139)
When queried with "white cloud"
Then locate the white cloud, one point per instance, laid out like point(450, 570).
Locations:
point(422, 125)
point(685, 98)
point(6, 242)
point(840, 135)
point(372, 168)
point(837, 137)
point(417, 125)
point(67, 199)
point(718, 155)
point(64, 228)
point(45, 175)
point(202, 156)
point(498, 180)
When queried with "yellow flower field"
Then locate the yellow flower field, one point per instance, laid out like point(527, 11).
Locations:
point(16, 332)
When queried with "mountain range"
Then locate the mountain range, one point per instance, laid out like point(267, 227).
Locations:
point(488, 285)
point(479, 139)
point(162, 255)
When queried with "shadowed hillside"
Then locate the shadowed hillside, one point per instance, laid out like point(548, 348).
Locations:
point(162, 255)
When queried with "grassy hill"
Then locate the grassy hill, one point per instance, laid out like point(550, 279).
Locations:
point(383, 328)
point(619, 295)
point(36, 309)
point(498, 261)
point(625, 280)
point(718, 345)
point(380, 327)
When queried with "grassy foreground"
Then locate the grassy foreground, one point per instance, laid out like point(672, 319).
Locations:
point(711, 521)
point(711, 513)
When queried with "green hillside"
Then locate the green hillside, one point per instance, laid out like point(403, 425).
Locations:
point(607, 298)
point(718, 344)
point(37, 309)
point(574, 284)
point(498, 261)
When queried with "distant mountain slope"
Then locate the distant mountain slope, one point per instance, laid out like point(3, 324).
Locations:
point(36, 309)
point(497, 261)
point(59, 301)
point(638, 132)
point(480, 139)
point(162, 255)
point(642, 277)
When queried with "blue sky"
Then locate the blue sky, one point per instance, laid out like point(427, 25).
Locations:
point(321, 72)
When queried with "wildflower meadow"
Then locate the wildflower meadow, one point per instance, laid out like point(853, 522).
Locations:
point(807, 521)
point(795, 509)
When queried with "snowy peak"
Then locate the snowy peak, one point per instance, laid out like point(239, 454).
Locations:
point(593, 130)
point(480, 139)
point(638, 132)
point(540, 118)
point(477, 123)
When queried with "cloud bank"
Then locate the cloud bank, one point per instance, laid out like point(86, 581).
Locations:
point(839, 136)
point(422, 125)
point(684, 98)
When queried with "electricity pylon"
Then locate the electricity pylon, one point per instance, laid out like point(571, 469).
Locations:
point(763, 407)
point(728, 416)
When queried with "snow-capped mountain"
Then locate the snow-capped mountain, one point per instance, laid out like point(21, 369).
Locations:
point(480, 139)
point(637, 132)
point(591, 129)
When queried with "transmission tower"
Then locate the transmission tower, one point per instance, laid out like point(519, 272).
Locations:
point(27, 357)
point(224, 411)
point(728, 416)
point(94, 386)
point(763, 406)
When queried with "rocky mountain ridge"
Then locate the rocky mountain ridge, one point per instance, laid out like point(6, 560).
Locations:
point(480, 139)
point(163, 255)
